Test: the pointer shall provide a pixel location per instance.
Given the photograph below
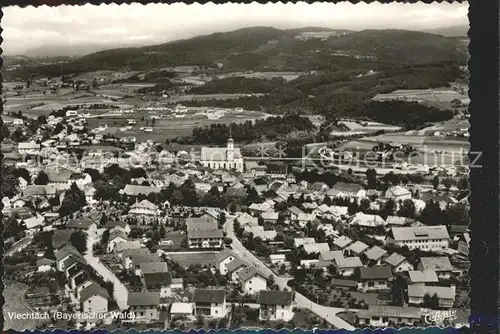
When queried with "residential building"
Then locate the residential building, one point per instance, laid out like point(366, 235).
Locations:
point(144, 208)
point(398, 263)
point(423, 278)
point(445, 294)
point(205, 238)
point(316, 247)
point(94, 299)
point(382, 315)
point(115, 237)
point(275, 305)
point(357, 248)
point(251, 280)
point(234, 267)
point(144, 306)
point(210, 302)
point(441, 265)
point(344, 284)
point(224, 257)
point(222, 158)
point(398, 193)
point(341, 189)
point(374, 278)
point(159, 282)
point(346, 266)
point(375, 255)
point(181, 310)
point(427, 238)
point(86, 225)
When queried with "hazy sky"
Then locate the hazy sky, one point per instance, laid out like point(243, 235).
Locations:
point(29, 27)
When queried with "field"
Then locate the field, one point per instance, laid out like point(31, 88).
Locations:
point(203, 97)
point(440, 98)
point(201, 258)
point(14, 302)
point(288, 76)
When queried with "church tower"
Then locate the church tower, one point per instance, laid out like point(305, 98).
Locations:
point(230, 147)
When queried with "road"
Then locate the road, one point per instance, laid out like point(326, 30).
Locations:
point(14, 302)
point(120, 291)
point(325, 312)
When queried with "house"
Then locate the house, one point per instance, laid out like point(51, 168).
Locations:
point(331, 255)
point(275, 305)
point(135, 190)
point(86, 225)
point(316, 247)
point(223, 258)
point(251, 280)
point(310, 207)
point(117, 225)
point(138, 260)
point(60, 176)
point(290, 178)
point(270, 216)
point(259, 208)
point(210, 302)
point(144, 208)
point(294, 212)
point(126, 249)
point(341, 189)
point(463, 244)
point(346, 266)
point(395, 221)
point(33, 223)
point(158, 282)
point(45, 265)
point(383, 315)
point(342, 242)
point(177, 283)
point(398, 193)
point(115, 237)
point(22, 183)
point(201, 238)
point(344, 284)
point(65, 253)
point(302, 241)
point(277, 258)
point(144, 306)
point(234, 267)
point(357, 247)
point(427, 277)
point(445, 294)
point(94, 299)
point(305, 218)
point(181, 310)
point(374, 278)
point(398, 263)
point(28, 148)
point(367, 220)
point(440, 265)
point(427, 238)
point(375, 255)
point(152, 267)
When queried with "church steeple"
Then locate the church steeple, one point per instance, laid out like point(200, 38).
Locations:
point(230, 147)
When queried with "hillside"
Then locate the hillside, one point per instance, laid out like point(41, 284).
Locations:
point(265, 48)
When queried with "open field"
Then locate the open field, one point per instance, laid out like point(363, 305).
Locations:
point(187, 259)
point(440, 98)
point(203, 97)
point(288, 76)
point(14, 302)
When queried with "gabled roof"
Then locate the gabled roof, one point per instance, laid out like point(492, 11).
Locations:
point(353, 188)
point(155, 279)
point(331, 255)
point(443, 292)
point(82, 224)
point(153, 267)
point(134, 190)
point(131, 247)
point(275, 297)
point(224, 254)
point(246, 274)
point(395, 220)
point(92, 290)
point(375, 253)
point(419, 233)
point(209, 296)
point(344, 282)
point(236, 264)
point(342, 241)
point(373, 273)
point(67, 250)
point(295, 210)
point(144, 204)
point(358, 247)
point(427, 276)
point(441, 263)
point(395, 259)
point(137, 260)
point(117, 234)
point(316, 247)
point(143, 298)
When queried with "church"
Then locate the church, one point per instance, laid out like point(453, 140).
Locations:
point(222, 158)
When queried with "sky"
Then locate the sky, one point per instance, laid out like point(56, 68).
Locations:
point(136, 24)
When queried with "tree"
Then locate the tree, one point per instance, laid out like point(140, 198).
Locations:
point(42, 178)
point(78, 240)
point(448, 183)
point(228, 241)
point(22, 172)
point(431, 302)
point(365, 204)
point(371, 178)
point(407, 209)
point(105, 237)
point(353, 208)
point(435, 182)
point(199, 321)
point(41, 119)
point(163, 231)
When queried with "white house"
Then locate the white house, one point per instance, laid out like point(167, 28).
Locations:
point(427, 238)
point(252, 281)
point(115, 237)
point(224, 257)
point(94, 299)
point(398, 193)
point(210, 302)
point(144, 208)
point(398, 263)
point(275, 305)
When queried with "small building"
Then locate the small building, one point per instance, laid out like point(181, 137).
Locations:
point(224, 257)
point(374, 278)
point(94, 299)
point(210, 302)
point(144, 306)
point(344, 284)
point(423, 278)
point(398, 193)
point(445, 294)
point(398, 263)
point(375, 255)
point(251, 280)
point(346, 266)
point(427, 238)
point(275, 305)
point(181, 310)
point(441, 265)
point(158, 282)
point(382, 315)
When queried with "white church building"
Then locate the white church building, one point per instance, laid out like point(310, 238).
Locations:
point(222, 158)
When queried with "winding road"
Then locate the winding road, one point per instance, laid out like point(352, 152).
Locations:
point(120, 291)
point(325, 312)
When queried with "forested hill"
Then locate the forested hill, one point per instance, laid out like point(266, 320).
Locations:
point(265, 48)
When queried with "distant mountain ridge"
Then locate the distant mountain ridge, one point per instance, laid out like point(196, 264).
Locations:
point(268, 48)
point(452, 31)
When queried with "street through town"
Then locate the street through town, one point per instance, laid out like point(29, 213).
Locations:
point(325, 312)
point(120, 291)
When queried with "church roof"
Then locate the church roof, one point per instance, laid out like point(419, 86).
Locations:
point(217, 153)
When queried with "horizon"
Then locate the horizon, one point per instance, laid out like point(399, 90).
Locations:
point(135, 25)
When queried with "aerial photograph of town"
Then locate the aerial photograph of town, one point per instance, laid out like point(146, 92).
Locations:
point(264, 166)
